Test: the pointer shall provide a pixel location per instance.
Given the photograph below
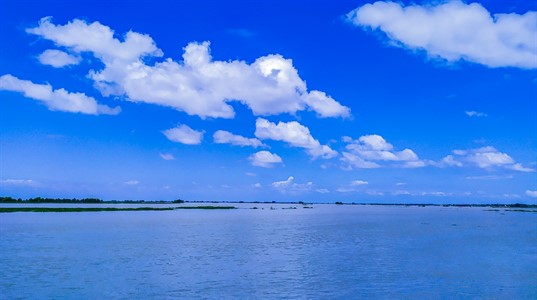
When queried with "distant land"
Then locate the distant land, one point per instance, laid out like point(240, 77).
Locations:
point(179, 201)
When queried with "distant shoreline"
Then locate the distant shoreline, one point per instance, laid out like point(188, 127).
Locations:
point(98, 209)
point(40, 200)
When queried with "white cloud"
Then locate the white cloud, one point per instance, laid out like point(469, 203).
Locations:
point(322, 191)
point(295, 135)
point(454, 30)
point(167, 156)
point(473, 113)
point(184, 134)
point(196, 85)
point(132, 182)
point(519, 167)
point(290, 186)
point(532, 194)
point(57, 58)
point(264, 159)
point(450, 161)
point(279, 184)
point(488, 158)
point(257, 185)
point(353, 160)
point(226, 137)
point(18, 182)
point(373, 151)
point(352, 186)
point(56, 100)
point(485, 157)
point(435, 194)
point(490, 177)
point(346, 139)
point(374, 193)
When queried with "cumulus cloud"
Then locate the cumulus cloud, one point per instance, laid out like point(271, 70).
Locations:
point(184, 134)
point(532, 194)
point(475, 114)
point(290, 186)
point(197, 85)
point(226, 137)
point(373, 151)
point(167, 156)
point(56, 100)
point(455, 31)
point(57, 58)
point(359, 182)
point(295, 135)
point(485, 157)
point(264, 159)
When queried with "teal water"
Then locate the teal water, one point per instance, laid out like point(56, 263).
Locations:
point(328, 252)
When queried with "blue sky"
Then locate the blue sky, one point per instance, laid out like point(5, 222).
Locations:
point(319, 101)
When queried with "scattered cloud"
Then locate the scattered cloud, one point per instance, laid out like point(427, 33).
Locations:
point(519, 167)
point(270, 85)
point(257, 185)
point(290, 186)
point(374, 193)
point(295, 135)
point(322, 191)
point(353, 186)
point(373, 151)
point(485, 157)
point(18, 182)
point(454, 30)
point(531, 193)
point(57, 58)
point(184, 134)
point(226, 137)
point(167, 156)
point(264, 159)
point(56, 100)
point(490, 177)
point(132, 182)
point(450, 161)
point(424, 193)
point(475, 114)
point(400, 183)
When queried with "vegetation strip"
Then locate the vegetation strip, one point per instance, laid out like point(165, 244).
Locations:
point(96, 209)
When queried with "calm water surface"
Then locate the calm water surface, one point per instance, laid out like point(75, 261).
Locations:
point(328, 252)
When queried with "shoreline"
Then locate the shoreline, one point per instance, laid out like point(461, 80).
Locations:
point(10, 200)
